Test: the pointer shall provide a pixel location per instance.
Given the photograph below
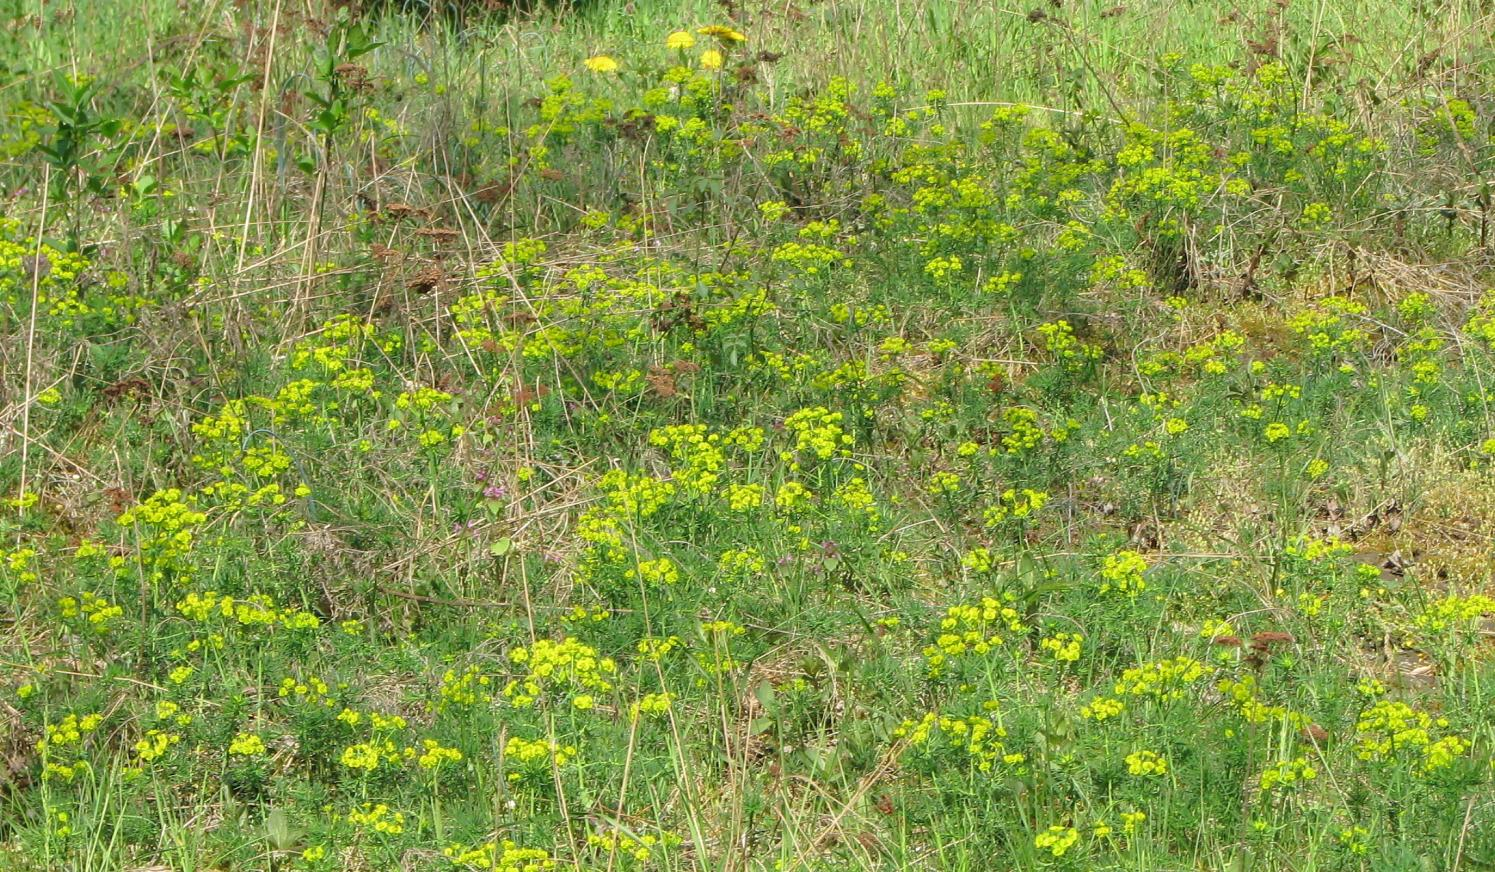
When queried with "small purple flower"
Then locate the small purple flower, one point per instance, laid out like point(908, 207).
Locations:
point(494, 492)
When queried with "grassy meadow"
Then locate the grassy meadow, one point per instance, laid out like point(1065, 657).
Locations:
point(780, 435)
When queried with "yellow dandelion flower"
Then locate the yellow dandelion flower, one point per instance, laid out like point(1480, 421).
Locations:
point(722, 32)
point(680, 40)
point(602, 64)
point(711, 59)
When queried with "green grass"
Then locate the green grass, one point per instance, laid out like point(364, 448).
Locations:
point(936, 436)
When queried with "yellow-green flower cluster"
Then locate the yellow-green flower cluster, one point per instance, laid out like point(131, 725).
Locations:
point(1481, 323)
point(63, 296)
point(696, 454)
point(564, 669)
point(1330, 325)
point(1210, 356)
point(972, 629)
point(164, 525)
point(640, 848)
point(1023, 432)
point(979, 738)
point(635, 495)
point(432, 755)
point(1453, 612)
point(1014, 505)
point(744, 497)
point(655, 649)
point(466, 688)
point(817, 433)
point(1059, 340)
point(62, 745)
point(1244, 695)
point(505, 856)
point(369, 756)
point(154, 744)
point(311, 690)
point(1161, 679)
point(658, 572)
point(524, 758)
point(1063, 647)
point(1122, 572)
point(791, 495)
point(255, 610)
point(246, 745)
point(19, 564)
point(651, 705)
point(378, 818)
point(1146, 763)
point(97, 613)
point(1102, 708)
point(1057, 840)
point(1288, 774)
point(1391, 730)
